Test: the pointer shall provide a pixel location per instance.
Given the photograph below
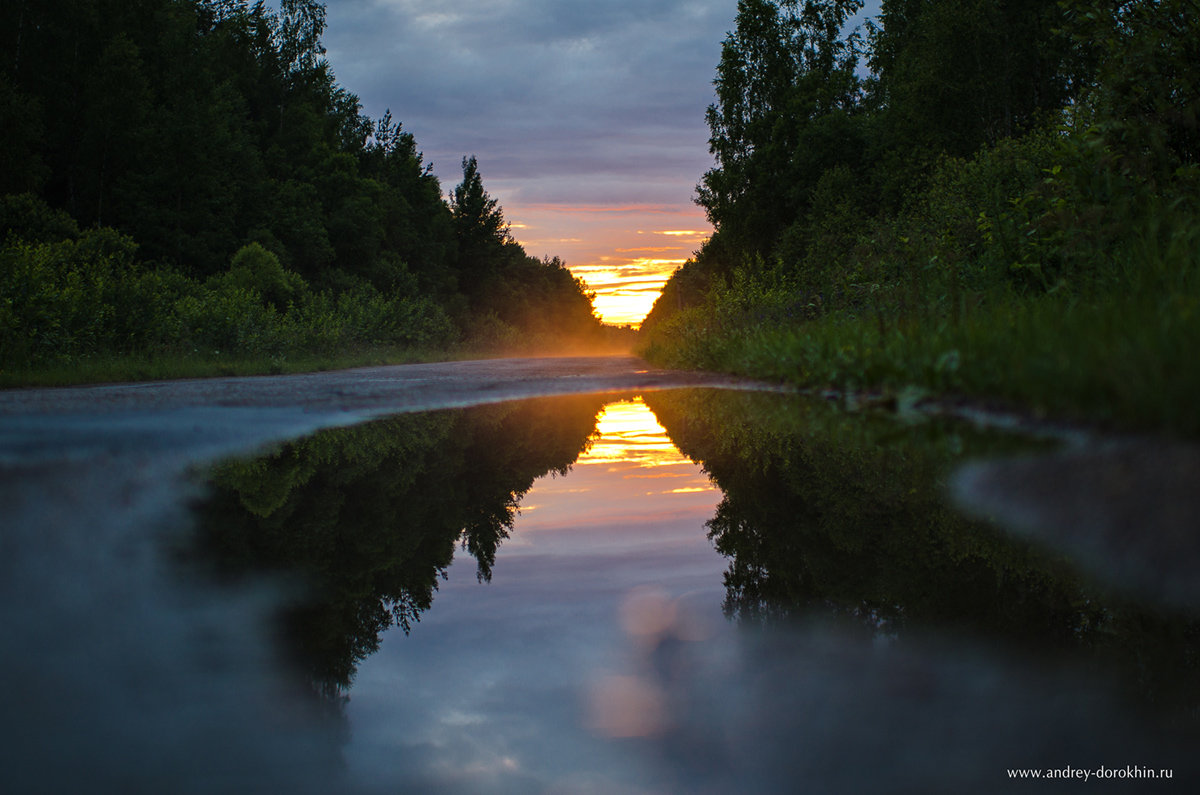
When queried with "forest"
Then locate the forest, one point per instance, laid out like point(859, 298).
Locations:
point(185, 180)
point(995, 199)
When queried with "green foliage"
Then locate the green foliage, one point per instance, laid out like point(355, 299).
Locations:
point(480, 229)
point(275, 217)
point(542, 299)
point(1034, 241)
point(26, 217)
point(226, 319)
point(786, 94)
point(255, 269)
point(810, 156)
point(326, 322)
point(1146, 91)
point(1119, 351)
point(21, 128)
point(295, 215)
point(90, 296)
point(956, 75)
point(61, 299)
point(687, 287)
point(487, 332)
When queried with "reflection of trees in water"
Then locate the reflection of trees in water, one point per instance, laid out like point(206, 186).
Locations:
point(828, 513)
point(369, 516)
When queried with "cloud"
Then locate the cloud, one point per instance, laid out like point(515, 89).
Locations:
point(564, 99)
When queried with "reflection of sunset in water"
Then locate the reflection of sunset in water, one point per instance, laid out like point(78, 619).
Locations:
point(628, 433)
point(637, 504)
point(630, 457)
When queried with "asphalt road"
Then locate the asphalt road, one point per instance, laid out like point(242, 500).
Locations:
point(369, 390)
point(200, 418)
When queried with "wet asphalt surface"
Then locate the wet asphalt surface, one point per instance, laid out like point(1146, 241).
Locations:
point(201, 418)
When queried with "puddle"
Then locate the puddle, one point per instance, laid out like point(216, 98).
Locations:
point(583, 607)
point(688, 591)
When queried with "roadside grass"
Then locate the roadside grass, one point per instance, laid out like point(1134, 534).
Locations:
point(113, 368)
point(1125, 354)
point(1123, 362)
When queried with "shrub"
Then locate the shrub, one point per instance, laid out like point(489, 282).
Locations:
point(488, 332)
point(228, 319)
point(54, 297)
point(25, 217)
point(419, 321)
point(258, 270)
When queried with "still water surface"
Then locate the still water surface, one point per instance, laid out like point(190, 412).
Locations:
point(514, 685)
point(549, 596)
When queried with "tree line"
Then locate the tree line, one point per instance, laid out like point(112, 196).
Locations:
point(201, 155)
point(816, 131)
point(898, 193)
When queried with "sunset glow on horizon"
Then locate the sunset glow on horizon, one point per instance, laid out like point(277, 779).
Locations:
point(624, 254)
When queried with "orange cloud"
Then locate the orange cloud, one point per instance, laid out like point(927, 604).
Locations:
point(626, 290)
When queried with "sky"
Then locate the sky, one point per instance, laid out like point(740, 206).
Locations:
point(586, 118)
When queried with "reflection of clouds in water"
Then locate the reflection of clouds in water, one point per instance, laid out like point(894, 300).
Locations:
point(626, 706)
point(1128, 511)
point(605, 492)
point(636, 703)
point(523, 651)
point(119, 678)
point(815, 707)
point(518, 653)
point(597, 661)
point(683, 473)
